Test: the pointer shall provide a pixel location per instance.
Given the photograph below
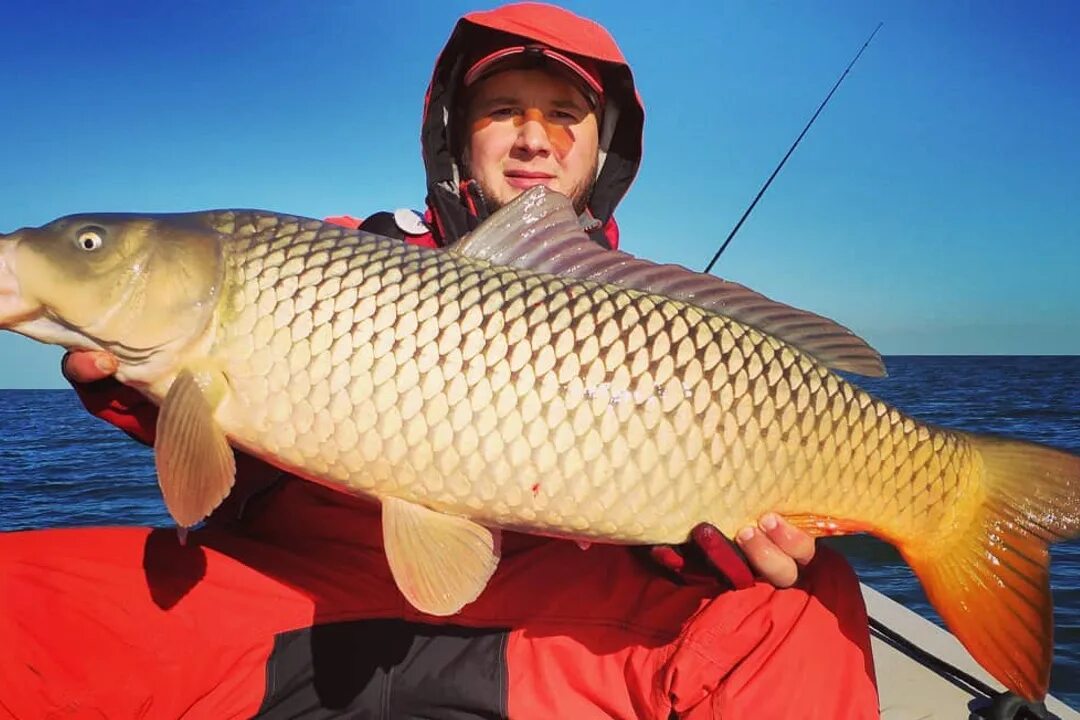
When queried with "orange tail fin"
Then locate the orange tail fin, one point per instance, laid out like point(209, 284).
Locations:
point(991, 585)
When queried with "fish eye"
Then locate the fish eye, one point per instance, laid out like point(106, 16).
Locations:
point(90, 238)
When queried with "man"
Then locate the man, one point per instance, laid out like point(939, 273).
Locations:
point(283, 604)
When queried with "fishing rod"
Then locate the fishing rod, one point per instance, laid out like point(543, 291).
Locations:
point(791, 150)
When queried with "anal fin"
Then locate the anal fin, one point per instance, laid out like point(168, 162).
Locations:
point(825, 525)
point(440, 562)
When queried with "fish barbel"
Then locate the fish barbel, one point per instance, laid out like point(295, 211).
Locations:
point(526, 379)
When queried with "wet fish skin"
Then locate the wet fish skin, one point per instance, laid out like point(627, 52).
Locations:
point(467, 395)
point(407, 327)
point(490, 392)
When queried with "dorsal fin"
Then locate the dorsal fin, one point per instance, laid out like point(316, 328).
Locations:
point(539, 231)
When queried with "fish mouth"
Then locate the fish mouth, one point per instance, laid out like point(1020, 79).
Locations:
point(13, 306)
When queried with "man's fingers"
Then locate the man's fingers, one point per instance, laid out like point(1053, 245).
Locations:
point(723, 555)
point(668, 557)
point(86, 366)
point(793, 542)
point(768, 560)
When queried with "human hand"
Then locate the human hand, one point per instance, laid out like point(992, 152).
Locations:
point(91, 373)
point(86, 366)
point(707, 557)
point(776, 550)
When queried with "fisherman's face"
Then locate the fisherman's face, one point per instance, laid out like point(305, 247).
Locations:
point(530, 127)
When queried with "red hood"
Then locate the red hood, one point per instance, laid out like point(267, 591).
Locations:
point(479, 33)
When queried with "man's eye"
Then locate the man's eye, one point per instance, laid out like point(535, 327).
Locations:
point(503, 113)
point(564, 116)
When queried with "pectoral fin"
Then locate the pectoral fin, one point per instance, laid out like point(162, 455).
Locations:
point(440, 562)
point(195, 464)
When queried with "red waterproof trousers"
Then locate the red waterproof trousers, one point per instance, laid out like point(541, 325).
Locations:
point(294, 613)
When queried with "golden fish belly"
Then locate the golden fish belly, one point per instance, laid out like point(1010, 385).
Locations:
point(565, 407)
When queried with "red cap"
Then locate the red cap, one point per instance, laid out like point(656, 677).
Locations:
point(583, 70)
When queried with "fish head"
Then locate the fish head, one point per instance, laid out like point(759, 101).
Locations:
point(128, 284)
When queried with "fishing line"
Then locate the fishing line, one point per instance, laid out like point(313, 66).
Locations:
point(791, 150)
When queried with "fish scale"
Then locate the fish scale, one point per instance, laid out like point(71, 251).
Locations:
point(527, 379)
point(418, 415)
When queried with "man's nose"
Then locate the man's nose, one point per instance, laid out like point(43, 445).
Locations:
point(533, 132)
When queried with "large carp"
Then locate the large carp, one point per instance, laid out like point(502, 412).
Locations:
point(526, 379)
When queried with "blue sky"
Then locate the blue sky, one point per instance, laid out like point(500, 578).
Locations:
point(934, 207)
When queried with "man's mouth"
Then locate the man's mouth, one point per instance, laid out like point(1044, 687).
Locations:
point(524, 179)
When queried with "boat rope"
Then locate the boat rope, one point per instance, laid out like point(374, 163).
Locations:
point(795, 144)
point(1000, 705)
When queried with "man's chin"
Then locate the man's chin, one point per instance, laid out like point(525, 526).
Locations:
point(517, 189)
point(494, 201)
